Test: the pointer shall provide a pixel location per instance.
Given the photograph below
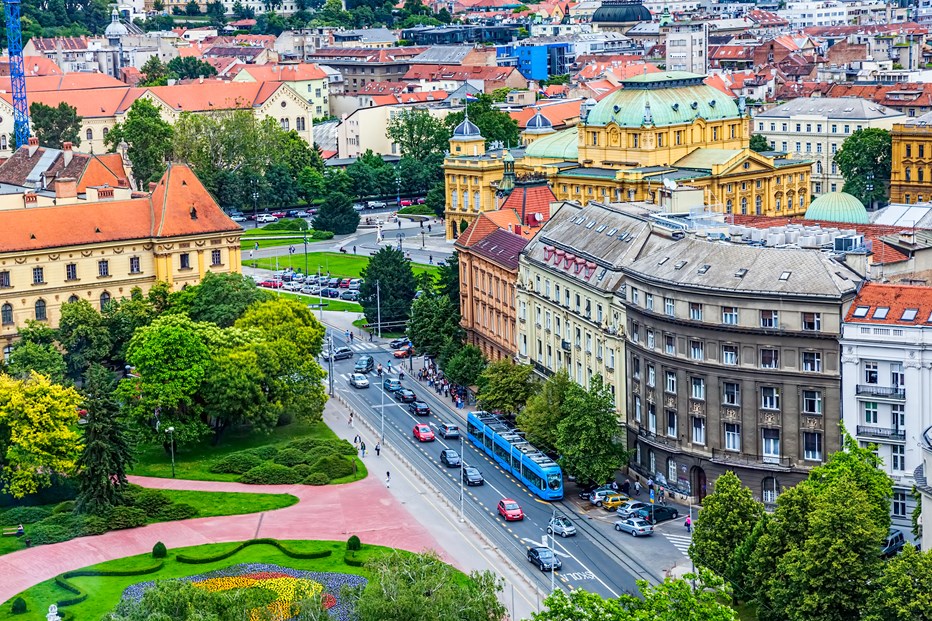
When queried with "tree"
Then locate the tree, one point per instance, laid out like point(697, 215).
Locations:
point(434, 323)
point(337, 215)
point(448, 280)
point(190, 67)
point(122, 318)
point(495, 125)
point(505, 387)
point(37, 433)
point(107, 455)
point(219, 298)
point(556, 79)
point(421, 587)
point(865, 161)
point(192, 8)
point(695, 596)
point(55, 126)
point(436, 199)
point(418, 133)
point(217, 13)
point(541, 417)
point(388, 269)
point(282, 319)
point(148, 139)
point(588, 437)
point(903, 592)
point(759, 143)
point(727, 518)
point(465, 366)
point(36, 351)
point(155, 71)
point(84, 336)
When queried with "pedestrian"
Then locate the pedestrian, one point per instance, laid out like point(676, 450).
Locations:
point(626, 487)
point(378, 449)
point(356, 439)
point(399, 223)
point(351, 338)
point(345, 335)
point(650, 485)
point(362, 445)
point(637, 488)
point(354, 249)
point(428, 228)
point(421, 222)
point(371, 336)
point(388, 479)
point(660, 494)
point(689, 524)
point(430, 259)
point(614, 485)
point(350, 419)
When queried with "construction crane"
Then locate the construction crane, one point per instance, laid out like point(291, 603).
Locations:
point(14, 40)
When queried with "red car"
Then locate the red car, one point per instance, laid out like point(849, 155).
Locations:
point(406, 202)
point(510, 510)
point(404, 352)
point(278, 214)
point(272, 284)
point(423, 433)
point(345, 283)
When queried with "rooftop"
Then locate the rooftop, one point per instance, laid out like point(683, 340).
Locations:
point(892, 304)
point(842, 108)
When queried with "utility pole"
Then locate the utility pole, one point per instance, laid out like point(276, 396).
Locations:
point(382, 390)
point(330, 338)
point(378, 307)
point(320, 294)
point(462, 473)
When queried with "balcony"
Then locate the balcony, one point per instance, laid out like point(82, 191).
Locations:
point(565, 345)
point(882, 432)
point(764, 462)
point(884, 392)
point(657, 439)
point(541, 369)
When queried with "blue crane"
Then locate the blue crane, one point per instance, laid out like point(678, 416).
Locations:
point(14, 39)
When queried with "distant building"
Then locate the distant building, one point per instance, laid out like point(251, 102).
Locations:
point(911, 172)
point(359, 66)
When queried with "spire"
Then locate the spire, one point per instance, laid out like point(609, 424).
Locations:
point(648, 116)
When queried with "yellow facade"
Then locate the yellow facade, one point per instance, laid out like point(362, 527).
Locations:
point(911, 169)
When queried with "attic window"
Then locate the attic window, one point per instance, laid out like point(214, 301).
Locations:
point(909, 314)
point(679, 265)
point(97, 230)
point(741, 273)
point(663, 260)
point(929, 320)
point(600, 228)
point(602, 274)
point(861, 311)
point(785, 276)
point(881, 313)
point(33, 236)
point(184, 182)
point(193, 213)
point(590, 224)
point(611, 232)
point(840, 275)
point(705, 268)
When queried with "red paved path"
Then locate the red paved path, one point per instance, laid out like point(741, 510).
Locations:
point(321, 513)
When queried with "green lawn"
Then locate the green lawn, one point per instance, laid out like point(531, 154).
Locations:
point(337, 263)
point(249, 244)
point(105, 591)
point(193, 462)
point(331, 304)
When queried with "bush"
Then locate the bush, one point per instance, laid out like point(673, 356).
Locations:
point(285, 418)
point(334, 466)
point(25, 515)
point(64, 507)
point(19, 606)
point(303, 470)
point(270, 474)
point(176, 511)
point(94, 525)
point(290, 457)
point(344, 447)
point(151, 501)
point(184, 558)
point(321, 235)
point(287, 224)
point(265, 453)
point(126, 517)
point(317, 453)
point(159, 550)
point(304, 444)
point(353, 543)
point(317, 478)
point(49, 533)
point(352, 561)
point(237, 463)
point(417, 210)
point(71, 521)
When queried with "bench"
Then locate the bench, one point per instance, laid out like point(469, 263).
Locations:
point(10, 532)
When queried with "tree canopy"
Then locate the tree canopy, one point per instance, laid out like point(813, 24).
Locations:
point(418, 133)
point(337, 215)
point(148, 139)
point(495, 125)
point(759, 143)
point(864, 160)
point(541, 418)
point(392, 271)
point(505, 387)
point(54, 126)
point(588, 436)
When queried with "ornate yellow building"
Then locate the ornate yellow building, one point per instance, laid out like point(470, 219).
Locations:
point(657, 128)
point(911, 172)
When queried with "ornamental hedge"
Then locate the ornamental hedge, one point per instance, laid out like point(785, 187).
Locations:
point(198, 560)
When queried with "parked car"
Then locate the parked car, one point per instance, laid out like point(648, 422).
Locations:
point(631, 507)
point(272, 284)
point(278, 214)
point(406, 202)
point(419, 408)
point(358, 380)
point(303, 214)
point(292, 286)
point(586, 493)
point(339, 353)
point(344, 284)
point(404, 352)
point(449, 430)
point(510, 510)
point(264, 218)
point(350, 296)
point(450, 458)
point(310, 289)
point(421, 201)
point(635, 526)
point(400, 341)
point(654, 514)
point(291, 213)
point(405, 396)
point(355, 284)
point(364, 364)
point(544, 558)
point(330, 292)
point(472, 476)
point(334, 283)
point(893, 544)
point(238, 218)
point(422, 433)
point(391, 385)
point(359, 207)
point(376, 205)
point(613, 501)
point(562, 526)
point(598, 496)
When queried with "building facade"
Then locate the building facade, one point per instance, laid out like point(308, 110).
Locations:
point(886, 372)
point(911, 164)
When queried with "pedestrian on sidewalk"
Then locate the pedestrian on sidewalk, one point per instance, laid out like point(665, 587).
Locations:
point(356, 439)
point(354, 249)
point(626, 487)
point(350, 419)
point(428, 227)
point(650, 485)
point(351, 338)
point(362, 445)
point(637, 488)
point(388, 479)
point(689, 524)
point(378, 449)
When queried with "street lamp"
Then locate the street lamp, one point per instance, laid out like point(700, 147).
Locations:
point(330, 343)
point(255, 207)
point(398, 187)
point(422, 240)
point(320, 291)
point(462, 474)
point(305, 255)
point(401, 241)
point(171, 442)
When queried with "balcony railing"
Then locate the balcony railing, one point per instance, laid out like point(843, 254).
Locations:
point(540, 368)
point(888, 392)
point(565, 345)
point(762, 461)
point(881, 432)
point(656, 438)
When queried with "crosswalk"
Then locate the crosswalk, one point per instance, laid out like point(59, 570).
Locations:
point(680, 542)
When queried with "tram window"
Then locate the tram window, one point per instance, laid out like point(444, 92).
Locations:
point(473, 430)
point(555, 481)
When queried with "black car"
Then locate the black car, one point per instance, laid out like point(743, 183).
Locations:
point(405, 396)
point(396, 343)
point(331, 293)
point(450, 458)
point(472, 476)
point(364, 364)
point(339, 353)
point(657, 514)
point(544, 558)
point(291, 213)
point(419, 408)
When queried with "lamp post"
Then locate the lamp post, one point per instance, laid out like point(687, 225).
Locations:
point(422, 240)
point(382, 409)
point(398, 187)
point(320, 292)
point(462, 474)
point(171, 443)
point(870, 188)
point(255, 208)
point(401, 241)
point(553, 557)
point(378, 308)
point(330, 361)
point(305, 256)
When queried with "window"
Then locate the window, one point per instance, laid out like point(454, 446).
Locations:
point(732, 437)
point(698, 430)
point(898, 414)
point(771, 443)
point(812, 361)
point(770, 398)
point(870, 412)
point(812, 322)
point(6, 314)
point(898, 461)
point(103, 268)
point(669, 344)
point(4, 279)
point(769, 358)
point(730, 315)
point(897, 377)
point(635, 296)
point(652, 418)
point(635, 332)
point(134, 265)
point(870, 372)
point(769, 490)
point(104, 300)
point(671, 423)
point(651, 376)
point(650, 338)
point(299, 123)
point(671, 470)
point(41, 313)
point(697, 388)
point(697, 350)
point(898, 508)
point(670, 384)
point(731, 393)
point(812, 402)
point(637, 408)
point(185, 261)
point(89, 134)
point(812, 446)
point(730, 355)
point(38, 276)
point(695, 311)
point(669, 306)
point(909, 314)
point(769, 319)
point(649, 301)
point(72, 299)
point(635, 367)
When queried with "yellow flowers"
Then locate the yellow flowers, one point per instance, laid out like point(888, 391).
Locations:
point(287, 589)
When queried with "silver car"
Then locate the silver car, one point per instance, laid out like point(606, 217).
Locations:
point(635, 526)
point(358, 380)
point(630, 508)
point(561, 526)
point(599, 495)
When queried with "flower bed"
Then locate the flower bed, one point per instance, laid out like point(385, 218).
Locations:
point(288, 585)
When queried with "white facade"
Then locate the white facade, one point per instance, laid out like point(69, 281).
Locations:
point(687, 47)
point(808, 13)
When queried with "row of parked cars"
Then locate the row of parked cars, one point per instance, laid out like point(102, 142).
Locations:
point(324, 286)
point(266, 218)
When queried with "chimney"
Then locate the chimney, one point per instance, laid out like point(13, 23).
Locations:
point(33, 145)
point(517, 229)
point(908, 237)
point(66, 152)
point(30, 199)
point(66, 187)
point(152, 185)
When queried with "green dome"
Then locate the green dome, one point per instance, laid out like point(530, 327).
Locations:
point(663, 99)
point(562, 146)
point(621, 12)
point(837, 207)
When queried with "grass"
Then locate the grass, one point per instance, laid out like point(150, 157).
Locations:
point(337, 263)
point(250, 244)
point(193, 462)
point(386, 334)
point(106, 591)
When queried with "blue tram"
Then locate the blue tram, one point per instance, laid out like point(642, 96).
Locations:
point(515, 455)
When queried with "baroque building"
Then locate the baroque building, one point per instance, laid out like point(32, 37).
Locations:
point(911, 171)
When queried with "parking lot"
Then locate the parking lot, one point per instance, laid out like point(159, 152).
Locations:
point(326, 286)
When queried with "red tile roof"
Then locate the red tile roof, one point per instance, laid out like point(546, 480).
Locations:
point(285, 73)
point(501, 247)
point(33, 65)
point(71, 82)
point(531, 201)
point(559, 114)
point(409, 98)
point(86, 169)
point(215, 95)
point(89, 103)
point(897, 299)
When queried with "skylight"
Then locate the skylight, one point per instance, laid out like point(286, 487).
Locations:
point(881, 312)
point(611, 232)
point(861, 311)
point(741, 273)
point(600, 228)
point(679, 265)
point(663, 260)
point(705, 268)
point(590, 224)
point(909, 314)
point(785, 276)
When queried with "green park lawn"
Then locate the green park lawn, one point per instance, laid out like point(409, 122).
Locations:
point(337, 263)
point(105, 591)
point(194, 461)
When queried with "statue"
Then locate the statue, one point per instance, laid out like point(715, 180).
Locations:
point(53, 614)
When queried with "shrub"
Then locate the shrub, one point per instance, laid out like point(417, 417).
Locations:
point(184, 558)
point(417, 210)
point(236, 463)
point(65, 520)
point(290, 457)
point(287, 224)
point(265, 453)
point(353, 562)
point(321, 235)
point(303, 470)
point(64, 507)
point(19, 606)
point(94, 525)
point(25, 515)
point(176, 511)
point(159, 550)
point(316, 478)
point(285, 418)
point(334, 466)
point(50, 533)
point(270, 474)
point(151, 501)
point(317, 453)
point(304, 444)
point(353, 543)
point(126, 517)
point(344, 447)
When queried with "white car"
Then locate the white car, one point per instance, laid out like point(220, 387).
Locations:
point(310, 289)
point(238, 218)
point(292, 286)
point(265, 218)
point(358, 380)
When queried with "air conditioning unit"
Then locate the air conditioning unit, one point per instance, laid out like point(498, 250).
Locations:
point(848, 243)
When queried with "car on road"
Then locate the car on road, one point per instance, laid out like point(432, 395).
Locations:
point(631, 507)
point(562, 526)
point(449, 430)
point(510, 510)
point(264, 218)
point(339, 353)
point(364, 364)
point(376, 205)
point(450, 458)
point(239, 218)
point(598, 496)
point(586, 494)
point(396, 343)
point(544, 558)
point(423, 433)
point(613, 501)
point(654, 514)
point(359, 207)
point(350, 296)
point(391, 385)
point(404, 352)
point(358, 380)
point(472, 476)
point(405, 396)
point(419, 408)
point(635, 526)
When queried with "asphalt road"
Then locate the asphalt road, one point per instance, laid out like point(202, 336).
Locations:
point(597, 559)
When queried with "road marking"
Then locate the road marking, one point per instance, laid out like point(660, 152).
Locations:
point(680, 542)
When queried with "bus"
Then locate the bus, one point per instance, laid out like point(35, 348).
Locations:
point(515, 455)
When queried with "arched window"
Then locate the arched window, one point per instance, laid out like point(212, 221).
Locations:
point(758, 203)
point(106, 131)
point(41, 314)
point(728, 206)
point(104, 300)
point(89, 134)
point(4, 143)
point(744, 206)
point(6, 314)
point(72, 299)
